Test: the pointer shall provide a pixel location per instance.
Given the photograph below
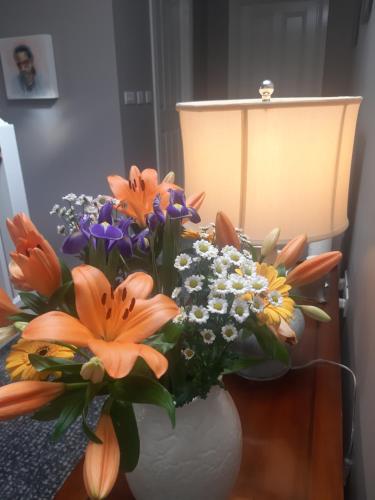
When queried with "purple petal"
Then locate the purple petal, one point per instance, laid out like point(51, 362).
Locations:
point(106, 231)
point(74, 243)
point(125, 246)
point(84, 225)
point(124, 224)
point(105, 213)
point(194, 216)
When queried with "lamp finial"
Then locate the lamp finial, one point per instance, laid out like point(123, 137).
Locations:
point(266, 90)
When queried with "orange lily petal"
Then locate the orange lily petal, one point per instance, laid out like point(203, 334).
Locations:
point(225, 232)
point(196, 200)
point(7, 308)
point(155, 360)
point(118, 185)
point(59, 327)
point(92, 289)
point(118, 358)
point(102, 461)
point(24, 397)
point(147, 317)
point(138, 285)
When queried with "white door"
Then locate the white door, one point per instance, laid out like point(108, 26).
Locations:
point(283, 41)
point(172, 60)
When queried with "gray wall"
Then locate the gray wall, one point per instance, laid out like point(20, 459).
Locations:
point(360, 325)
point(133, 48)
point(70, 144)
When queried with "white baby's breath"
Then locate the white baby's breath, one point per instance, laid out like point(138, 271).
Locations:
point(71, 197)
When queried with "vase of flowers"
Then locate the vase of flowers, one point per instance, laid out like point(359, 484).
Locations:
point(148, 317)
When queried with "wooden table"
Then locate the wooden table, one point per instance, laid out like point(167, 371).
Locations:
point(292, 427)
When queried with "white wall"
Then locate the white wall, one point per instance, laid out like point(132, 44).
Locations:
point(70, 144)
point(360, 327)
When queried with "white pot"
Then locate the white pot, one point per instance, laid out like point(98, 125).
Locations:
point(197, 460)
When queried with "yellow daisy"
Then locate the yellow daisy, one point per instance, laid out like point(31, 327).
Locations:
point(277, 303)
point(18, 365)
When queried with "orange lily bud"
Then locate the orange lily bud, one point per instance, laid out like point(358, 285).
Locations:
point(284, 332)
point(315, 313)
point(196, 200)
point(34, 264)
point(312, 269)
point(20, 398)
point(170, 177)
point(291, 251)
point(102, 461)
point(7, 308)
point(225, 232)
point(270, 242)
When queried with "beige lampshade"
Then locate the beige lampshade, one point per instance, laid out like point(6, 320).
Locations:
point(285, 163)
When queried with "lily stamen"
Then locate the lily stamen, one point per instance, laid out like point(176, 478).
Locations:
point(104, 299)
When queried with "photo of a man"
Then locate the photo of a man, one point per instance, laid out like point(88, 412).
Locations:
point(29, 67)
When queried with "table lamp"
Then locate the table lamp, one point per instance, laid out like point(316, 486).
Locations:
point(272, 162)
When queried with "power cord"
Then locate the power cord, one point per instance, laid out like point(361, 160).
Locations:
point(348, 461)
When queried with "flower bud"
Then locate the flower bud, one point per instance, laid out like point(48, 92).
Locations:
point(315, 313)
point(20, 325)
point(225, 232)
point(170, 177)
point(6, 333)
point(313, 269)
point(291, 252)
point(270, 242)
point(93, 370)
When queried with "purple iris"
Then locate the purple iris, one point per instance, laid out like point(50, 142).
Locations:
point(141, 240)
point(157, 217)
point(125, 244)
point(177, 208)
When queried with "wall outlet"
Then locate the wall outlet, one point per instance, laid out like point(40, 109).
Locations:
point(148, 96)
point(140, 97)
point(130, 97)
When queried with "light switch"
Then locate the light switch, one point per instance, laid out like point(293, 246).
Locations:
point(140, 97)
point(148, 96)
point(130, 97)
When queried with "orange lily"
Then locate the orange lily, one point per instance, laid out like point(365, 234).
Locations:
point(102, 461)
point(7, 308)
point(34, 264)
point(20, 398)
point(313, 269)
point(225, 232)
point(112, 324)
point(291, 252)
point(138, 193)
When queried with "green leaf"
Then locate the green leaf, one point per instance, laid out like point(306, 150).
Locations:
point(91, 392)
point(235, 365)
point(70, 412)
point(59, 295)
point(45, 363)
point(167, 339)
point(66, 274)
point(281, 270)
point(22, 317)
point(126, 429)
point(171, 237)
point(53, 409)
point(138, 389)
point(271, 346)
point(33, 302)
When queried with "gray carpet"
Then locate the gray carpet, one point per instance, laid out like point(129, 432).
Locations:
point(31, 466)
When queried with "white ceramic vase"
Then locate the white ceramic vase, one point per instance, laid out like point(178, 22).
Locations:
point(197, 460)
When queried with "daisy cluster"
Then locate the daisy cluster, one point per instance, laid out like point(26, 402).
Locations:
point(219, 290)
point(74, 207)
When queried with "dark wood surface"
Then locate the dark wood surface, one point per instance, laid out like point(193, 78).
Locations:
point(292, 427)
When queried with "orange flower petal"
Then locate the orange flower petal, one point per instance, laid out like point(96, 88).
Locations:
point(59, 327)
point(118, 358)
point(147, 317)
point(102, 461)
point(7, 308)
point(91, 287)
point(138, 285)
point(155, 360)
point(119, 186)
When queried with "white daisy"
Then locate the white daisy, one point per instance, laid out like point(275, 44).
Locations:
point(229, 332)
point(194, 283)
point(198, 314)
point(238, 284)
point(258, 284)
point(217, 305)
point(275, 298)
point(187, 353)
point(176, 292)
point(181, 317)
point(257, 304)
point(232, 254)
point(205, 249)
point(248, 267)
point(240, 310)
point(219, 268)
point(220, 286)
point(208, 336)
point(182, 261)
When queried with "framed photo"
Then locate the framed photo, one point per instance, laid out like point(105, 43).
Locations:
point(29, 67)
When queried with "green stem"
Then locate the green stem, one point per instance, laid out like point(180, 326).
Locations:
point(75, 386)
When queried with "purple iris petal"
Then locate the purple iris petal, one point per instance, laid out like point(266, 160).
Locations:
point(125, 246)
point(106, 231)
point(124, 224)
point(157, 209)
point(177, 204)
point(194, 216)
point(141, 240)
point(84, 225)
point(74, 243)
point(105, 213)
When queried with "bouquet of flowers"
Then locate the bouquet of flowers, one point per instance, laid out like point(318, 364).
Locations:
point(149, 316)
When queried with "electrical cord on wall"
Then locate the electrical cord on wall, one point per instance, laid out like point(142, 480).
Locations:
point(349, 449)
